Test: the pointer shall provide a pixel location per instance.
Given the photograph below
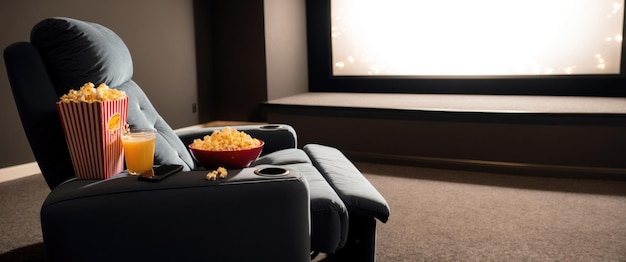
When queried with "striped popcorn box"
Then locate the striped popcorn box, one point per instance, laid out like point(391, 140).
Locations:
point(93, 133)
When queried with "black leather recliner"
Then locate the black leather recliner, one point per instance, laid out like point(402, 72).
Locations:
point(324, 205)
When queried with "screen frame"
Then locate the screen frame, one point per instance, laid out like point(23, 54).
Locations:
point(321, 78)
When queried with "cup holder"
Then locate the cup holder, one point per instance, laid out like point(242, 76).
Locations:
point(271, 171)
point(271, 127)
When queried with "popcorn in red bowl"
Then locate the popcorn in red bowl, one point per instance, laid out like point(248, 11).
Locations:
point(227, 148)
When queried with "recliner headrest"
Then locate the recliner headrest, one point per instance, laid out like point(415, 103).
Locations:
point(81, 52)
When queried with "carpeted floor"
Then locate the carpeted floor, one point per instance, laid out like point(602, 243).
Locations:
point(20, 202)
point(436, 215)
point(442, 215)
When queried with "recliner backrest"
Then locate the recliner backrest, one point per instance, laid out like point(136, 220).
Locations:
point(72, 53)
point(35, 99)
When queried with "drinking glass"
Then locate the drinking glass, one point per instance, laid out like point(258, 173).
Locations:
point(139, 146)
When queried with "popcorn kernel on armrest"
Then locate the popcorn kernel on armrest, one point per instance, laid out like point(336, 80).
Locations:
point(211, 175)
point(220, 172)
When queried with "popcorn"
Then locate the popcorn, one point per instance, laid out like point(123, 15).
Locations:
point(222, 172)
point(227, 139)
point(87, 93)
point(219, 172)
point(211, 175)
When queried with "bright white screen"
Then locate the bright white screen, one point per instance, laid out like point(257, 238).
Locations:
point(476, 37)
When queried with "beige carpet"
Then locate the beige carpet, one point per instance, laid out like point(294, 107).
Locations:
point(440, 215)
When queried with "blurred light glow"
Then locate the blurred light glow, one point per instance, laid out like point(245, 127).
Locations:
point(476, 37)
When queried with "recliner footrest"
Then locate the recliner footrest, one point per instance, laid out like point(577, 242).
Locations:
point(353, 188)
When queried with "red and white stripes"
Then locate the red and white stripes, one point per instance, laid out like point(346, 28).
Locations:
point(92, 131)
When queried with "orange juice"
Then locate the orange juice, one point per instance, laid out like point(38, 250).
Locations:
point(139, 150)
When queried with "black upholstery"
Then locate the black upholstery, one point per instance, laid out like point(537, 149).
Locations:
point(77, 52)
point(329, 215)
point(362, 200)
point(244, 217)
point(353, 189)
point(28, 76)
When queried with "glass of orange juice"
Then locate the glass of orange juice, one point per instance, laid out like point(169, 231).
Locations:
point(139, 146)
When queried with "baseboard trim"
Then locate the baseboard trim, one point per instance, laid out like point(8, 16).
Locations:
point(19, 171)
point(496, 166)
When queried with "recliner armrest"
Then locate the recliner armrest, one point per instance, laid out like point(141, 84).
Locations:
point(182, 218)
point(275, 136)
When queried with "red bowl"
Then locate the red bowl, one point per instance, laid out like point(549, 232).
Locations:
point(228, 159)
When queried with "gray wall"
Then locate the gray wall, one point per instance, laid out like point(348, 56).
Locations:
point(159, 34)
point(285, 47)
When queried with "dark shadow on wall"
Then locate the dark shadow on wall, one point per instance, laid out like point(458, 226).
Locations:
point(231, 64)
